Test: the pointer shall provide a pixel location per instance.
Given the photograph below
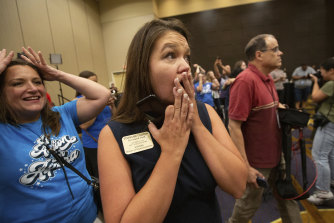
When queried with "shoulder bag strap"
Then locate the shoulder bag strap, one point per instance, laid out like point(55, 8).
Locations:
point(61, 160)
point(90, 135)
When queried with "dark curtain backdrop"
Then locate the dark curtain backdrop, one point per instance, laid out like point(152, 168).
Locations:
point(304, 29)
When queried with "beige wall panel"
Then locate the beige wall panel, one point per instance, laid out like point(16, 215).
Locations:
point(11, 36)
point(120, 21)
point(97, 44)
point(61, 28)
point(35, 25)
point(119, 80)
point(62, 32)
point(117, 37)
point(166, 8)
point(37, 32)
point(112, 10)
point(81, 34)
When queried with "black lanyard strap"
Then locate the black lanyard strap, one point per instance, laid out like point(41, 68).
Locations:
point(94, 183)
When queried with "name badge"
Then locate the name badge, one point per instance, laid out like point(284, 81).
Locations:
point(137, 142)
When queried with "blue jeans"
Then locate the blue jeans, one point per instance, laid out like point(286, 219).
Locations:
point(323, 155)
point(301, 94)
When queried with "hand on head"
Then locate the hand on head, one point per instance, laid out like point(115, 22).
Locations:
point(5, 59)
point(37, 59)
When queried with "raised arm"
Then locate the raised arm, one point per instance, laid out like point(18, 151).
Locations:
point(216, 68)
point(226, 70)
point(152, 202)
point(96, 95)
point(215, 83)
point(200, 83)
point(317, 95)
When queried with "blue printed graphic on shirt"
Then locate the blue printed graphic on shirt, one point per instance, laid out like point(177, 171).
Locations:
point(32, 183)
point(43, 170)
point(205, 95)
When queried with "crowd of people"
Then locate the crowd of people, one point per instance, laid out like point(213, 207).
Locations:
point(217, 128)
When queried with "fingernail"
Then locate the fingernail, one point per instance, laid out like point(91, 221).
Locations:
point(176, 79)
point(179, 90)
point(192, 105)
point(185, 95)
point(148, 122)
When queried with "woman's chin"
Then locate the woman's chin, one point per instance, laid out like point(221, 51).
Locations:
point(167, 101)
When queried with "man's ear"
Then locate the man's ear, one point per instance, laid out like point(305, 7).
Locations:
point(258, 55)
point(331, 71)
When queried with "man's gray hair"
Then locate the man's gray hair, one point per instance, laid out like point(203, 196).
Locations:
point(256, 43)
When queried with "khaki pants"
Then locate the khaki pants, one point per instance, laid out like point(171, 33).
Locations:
point(246, 206)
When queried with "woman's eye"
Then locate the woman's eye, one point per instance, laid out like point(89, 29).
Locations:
point(38, 82)
point(170, 55)
point(16, 84)
point(187, 58)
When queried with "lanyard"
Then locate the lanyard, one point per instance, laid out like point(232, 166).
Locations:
point(272, 95)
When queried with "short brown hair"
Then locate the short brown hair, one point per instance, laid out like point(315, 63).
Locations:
point(328, 64)
point(255, 44)
point(137, 81)
point(85, 74)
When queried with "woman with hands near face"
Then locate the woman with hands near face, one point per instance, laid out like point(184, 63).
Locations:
point(156, 174)
point(34, 184)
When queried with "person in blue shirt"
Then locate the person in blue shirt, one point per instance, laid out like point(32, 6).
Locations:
point(34, 186)
point(206, 83)
point(92, 128)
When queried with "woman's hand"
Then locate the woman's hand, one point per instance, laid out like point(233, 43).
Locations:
point(5, 60)
point(314, 78)
point(49, 73)
point(173, 136)
point(187, 81)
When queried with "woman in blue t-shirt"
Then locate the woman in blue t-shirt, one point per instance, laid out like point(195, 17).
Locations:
point(34, 138)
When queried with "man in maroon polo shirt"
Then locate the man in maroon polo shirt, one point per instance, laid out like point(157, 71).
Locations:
point(255, 129)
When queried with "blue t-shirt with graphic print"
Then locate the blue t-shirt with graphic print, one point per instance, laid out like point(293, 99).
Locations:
point(32, 184)
point(205, 95)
